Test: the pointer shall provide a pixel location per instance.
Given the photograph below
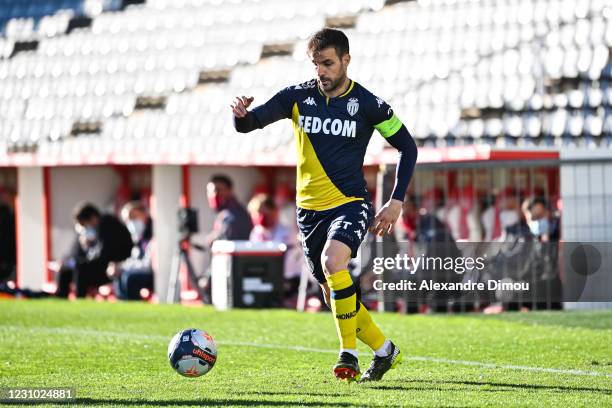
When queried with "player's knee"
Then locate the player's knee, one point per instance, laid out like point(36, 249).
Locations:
point(332, 263)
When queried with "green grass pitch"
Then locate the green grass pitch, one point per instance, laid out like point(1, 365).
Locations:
point(114, 354)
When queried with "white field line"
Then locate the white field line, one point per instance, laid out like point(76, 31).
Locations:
point(158, 337)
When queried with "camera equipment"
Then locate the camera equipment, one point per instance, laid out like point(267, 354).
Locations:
point(188, 221)
point(188, 225)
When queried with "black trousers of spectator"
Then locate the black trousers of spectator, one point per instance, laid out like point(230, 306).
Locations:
point(129, 283)
point(84, 276)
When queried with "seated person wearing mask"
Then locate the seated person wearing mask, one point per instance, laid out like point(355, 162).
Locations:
point(101, 239)
point(542, 224)
point(232, 222)
point(135, 273)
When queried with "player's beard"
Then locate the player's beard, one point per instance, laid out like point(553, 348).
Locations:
point(333, 85)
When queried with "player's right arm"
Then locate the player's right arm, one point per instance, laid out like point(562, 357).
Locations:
point(277, 108)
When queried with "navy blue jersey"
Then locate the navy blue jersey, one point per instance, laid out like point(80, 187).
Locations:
point(332, 135)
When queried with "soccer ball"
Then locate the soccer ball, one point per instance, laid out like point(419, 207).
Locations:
point(192, 352)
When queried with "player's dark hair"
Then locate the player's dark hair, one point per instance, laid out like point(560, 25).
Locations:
point(329, 37)
point(84, 212)
point(222, 179)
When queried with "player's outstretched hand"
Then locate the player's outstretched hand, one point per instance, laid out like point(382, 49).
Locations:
point(240, 105)
point(386, 218)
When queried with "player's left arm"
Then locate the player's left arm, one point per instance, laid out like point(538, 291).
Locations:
point(395, 132)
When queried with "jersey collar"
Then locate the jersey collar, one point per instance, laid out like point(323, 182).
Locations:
point(327, 98)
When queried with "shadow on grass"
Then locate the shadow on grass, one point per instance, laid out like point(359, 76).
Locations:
point(302, 393)
point(192, 402)
point(475, 385)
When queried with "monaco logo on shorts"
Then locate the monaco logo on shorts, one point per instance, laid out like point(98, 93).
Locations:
point(352, 106)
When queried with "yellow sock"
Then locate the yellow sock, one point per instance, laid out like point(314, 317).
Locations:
point(343, 299)
point(367, 331)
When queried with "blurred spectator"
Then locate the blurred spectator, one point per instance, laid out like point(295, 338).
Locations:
point(543, 260)
point(135, 273)
point(430, 227)
point(8, 247)
point(434, 240)
point(101, 239)
point(232, 221)
point(432, 202)
point(284, 199)
point(265, 216)
point(526, 253)
point(410, 217)
point(509, 215)
point(542, 224)
point(512, 251)
point(463, 215)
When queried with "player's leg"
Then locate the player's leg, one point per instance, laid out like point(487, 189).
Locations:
point(386, 354)
point(368, 332)
point(343, 302)
point(349, 227)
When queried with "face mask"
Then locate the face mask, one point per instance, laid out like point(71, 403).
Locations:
point(136, 228)
point(91, 234)
point(539, 227)
point(508, 217)
point(263, 220)
point(215, 202)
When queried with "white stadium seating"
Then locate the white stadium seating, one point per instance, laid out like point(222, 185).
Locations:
point(499, 72)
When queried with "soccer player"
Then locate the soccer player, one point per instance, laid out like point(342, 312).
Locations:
point(333, 119)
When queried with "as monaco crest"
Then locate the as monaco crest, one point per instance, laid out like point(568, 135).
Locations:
point(352, 106)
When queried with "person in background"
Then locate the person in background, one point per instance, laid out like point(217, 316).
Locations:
point(265, 216)
point(284, 199)
point(543, 261)
point(542, 224)
point(101, 239)
point(8, 245)
point(502, 211)
point(232, 221)
point(508, 256)
point(433, 203)
point(410, 217)
point(510, 218)
point(135, 273)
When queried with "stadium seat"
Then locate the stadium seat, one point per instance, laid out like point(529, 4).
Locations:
point(461, 55)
